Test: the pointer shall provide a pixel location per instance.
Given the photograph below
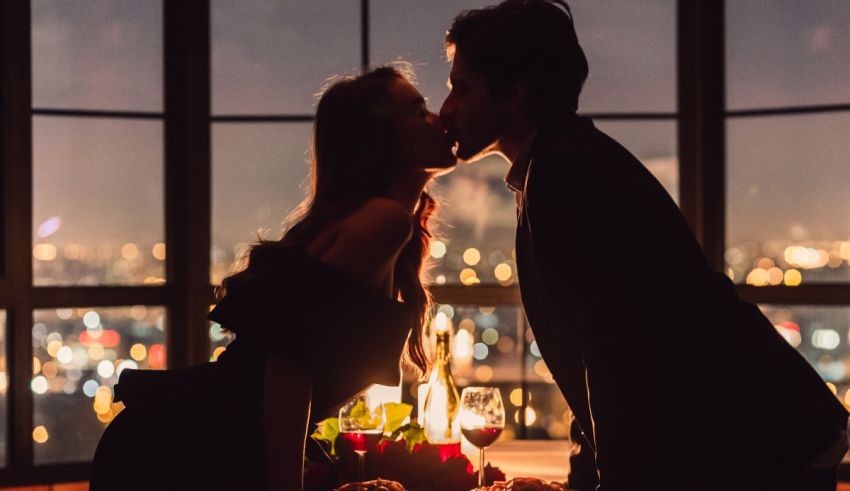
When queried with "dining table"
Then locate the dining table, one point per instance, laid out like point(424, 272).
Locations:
point(543, 459)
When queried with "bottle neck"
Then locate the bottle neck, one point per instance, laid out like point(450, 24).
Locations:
point(443, 354)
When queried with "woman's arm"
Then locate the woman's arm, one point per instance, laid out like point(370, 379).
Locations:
point(286, 413)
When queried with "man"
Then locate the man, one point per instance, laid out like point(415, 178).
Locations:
point(675, 383)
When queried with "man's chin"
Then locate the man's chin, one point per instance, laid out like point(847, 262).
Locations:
point(469, 157)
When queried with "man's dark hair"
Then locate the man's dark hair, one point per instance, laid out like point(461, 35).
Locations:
point(525, 40)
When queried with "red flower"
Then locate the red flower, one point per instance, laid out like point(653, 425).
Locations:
point(422, 469)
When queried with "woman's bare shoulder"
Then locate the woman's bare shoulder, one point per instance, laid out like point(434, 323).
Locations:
point(367, 242)
point(380, 221)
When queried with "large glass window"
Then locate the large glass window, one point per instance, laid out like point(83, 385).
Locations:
point(786, 97)
point(97, 219)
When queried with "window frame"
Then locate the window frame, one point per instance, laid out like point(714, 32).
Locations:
point(700, 116)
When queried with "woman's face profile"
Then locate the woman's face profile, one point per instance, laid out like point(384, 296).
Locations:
point(421, 138)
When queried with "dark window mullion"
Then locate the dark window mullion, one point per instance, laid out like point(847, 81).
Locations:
point(84, 113)
point(186, 49)
point(98, 296)
point(811, 294)
point(701, 128)
point(46, 474)
point(262, 118)
point(787, 110)
point(638, 116)
point(16, 138)
point(489, 295)
point(365, 55)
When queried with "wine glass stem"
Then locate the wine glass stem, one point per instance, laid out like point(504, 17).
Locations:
point(361, 465)
point(481, 468)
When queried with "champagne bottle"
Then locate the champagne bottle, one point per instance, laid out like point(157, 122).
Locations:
point(442, 403)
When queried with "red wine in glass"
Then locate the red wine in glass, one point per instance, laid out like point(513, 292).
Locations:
point(482, 437)
point(362, 441)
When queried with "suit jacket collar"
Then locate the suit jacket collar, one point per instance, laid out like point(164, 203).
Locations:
point(518, 172)
point(519, 168)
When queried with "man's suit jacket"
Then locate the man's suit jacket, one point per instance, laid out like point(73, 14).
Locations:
point(673, 381)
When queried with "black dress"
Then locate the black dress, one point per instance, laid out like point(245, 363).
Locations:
point(201, 427)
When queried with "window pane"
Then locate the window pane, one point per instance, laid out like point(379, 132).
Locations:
point(654, 144)
point(97, 55)
point(787, 53)
point(77, 357)
point(98, 202)
point(4, 385)
point(635, 38)
point(821, 335)
point(271, 57)
point(631, 51)
point(479, 213)
point(258, 170)
point(788, 200)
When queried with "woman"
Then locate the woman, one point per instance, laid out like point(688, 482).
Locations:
point(319, 315)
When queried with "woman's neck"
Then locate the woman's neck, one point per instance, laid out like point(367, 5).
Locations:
point(407, 188)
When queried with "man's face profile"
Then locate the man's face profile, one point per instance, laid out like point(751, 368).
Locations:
point(470, 112)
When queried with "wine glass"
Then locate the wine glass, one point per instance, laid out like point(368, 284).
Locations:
point(482, 418)
point(361, 427)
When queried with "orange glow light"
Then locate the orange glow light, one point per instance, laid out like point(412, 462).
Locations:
point(156, 356)
point(108, 338)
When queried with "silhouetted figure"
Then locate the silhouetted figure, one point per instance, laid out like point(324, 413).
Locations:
point(674, 382)
point(318, 316)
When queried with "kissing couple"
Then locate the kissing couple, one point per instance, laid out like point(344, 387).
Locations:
point(659, 402)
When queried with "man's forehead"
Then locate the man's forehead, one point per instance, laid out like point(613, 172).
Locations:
point(459, 69)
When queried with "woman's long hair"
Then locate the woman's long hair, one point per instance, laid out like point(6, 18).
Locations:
point(353, 142)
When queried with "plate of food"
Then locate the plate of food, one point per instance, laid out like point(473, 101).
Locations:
point(516, 484)
point(525, 484)
point(375, 485)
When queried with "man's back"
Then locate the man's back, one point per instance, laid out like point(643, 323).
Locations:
point(654, 352)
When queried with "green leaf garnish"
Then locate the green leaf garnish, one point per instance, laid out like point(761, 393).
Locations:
point(396, 412)
point(327, 431)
